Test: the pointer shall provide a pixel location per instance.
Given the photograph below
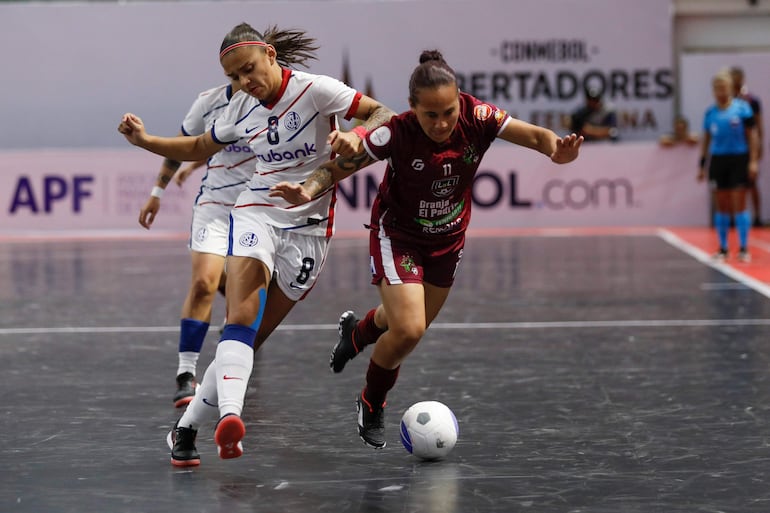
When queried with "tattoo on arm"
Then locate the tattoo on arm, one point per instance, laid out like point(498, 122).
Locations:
point(318, 181)
point(173, 165)
point(349, 165)
point(342, 167)
point(377, 116)
point(326, 176)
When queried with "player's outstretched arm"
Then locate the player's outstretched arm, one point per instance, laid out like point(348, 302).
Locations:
point(560, 149)
point(175, 148)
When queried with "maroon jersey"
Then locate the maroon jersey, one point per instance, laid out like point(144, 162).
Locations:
point(426, 189)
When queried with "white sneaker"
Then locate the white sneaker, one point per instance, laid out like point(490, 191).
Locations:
point(720, 256)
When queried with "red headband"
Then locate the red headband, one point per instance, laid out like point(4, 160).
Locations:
point(238, 45)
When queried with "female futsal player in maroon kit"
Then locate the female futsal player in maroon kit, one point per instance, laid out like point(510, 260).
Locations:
point(419, 218)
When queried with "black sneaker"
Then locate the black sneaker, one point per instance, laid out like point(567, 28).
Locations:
point(345, 349)
point(181, 441)
point(185, 389)
point(371, 422)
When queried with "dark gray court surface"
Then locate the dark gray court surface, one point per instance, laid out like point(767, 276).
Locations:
point(590, 374)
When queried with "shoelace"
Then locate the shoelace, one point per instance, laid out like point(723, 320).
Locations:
point(184, 437)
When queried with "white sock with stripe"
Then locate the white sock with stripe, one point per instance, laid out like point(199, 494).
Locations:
point(234, 362)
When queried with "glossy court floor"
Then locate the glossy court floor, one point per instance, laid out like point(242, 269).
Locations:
point(589, 372)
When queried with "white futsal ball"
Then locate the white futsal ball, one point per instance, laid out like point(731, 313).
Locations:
point(429, 430)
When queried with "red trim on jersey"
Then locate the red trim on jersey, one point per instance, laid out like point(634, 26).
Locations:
point(255, 205)
point(265, 173)
point(285, 75)
point(290, 207)
point(332, 127)
point(332, 211)
point(242, 162)
point(222, 166)
point(333, 190)
point(353, 106)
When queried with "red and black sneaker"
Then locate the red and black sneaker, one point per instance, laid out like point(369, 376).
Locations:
point(185, 389)
point(181, 441)
point(228, 434)
point(371, 422)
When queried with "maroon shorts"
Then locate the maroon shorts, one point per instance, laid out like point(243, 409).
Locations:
point(400, 261)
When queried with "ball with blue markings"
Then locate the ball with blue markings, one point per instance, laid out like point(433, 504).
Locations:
point(429, 430)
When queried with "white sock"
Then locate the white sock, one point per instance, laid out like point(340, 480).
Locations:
point(188, 361)
point(203, 407)
point(234, 361)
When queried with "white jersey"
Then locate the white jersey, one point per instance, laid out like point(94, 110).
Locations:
point(288, 138)
point(230, 169)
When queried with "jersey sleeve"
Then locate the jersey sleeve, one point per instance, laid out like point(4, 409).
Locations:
point(228, 128)
point(377, 142)
point(491, 118)
point(194, 123)
point(332, 97)
point(747, 114)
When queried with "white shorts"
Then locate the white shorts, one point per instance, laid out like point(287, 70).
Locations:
point(295, 260)
point(210, 229)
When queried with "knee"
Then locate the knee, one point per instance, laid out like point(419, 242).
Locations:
point(408, 334)
point(202, 288)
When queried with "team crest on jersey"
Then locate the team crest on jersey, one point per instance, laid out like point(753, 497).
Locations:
point(292, 121)
point(418, 165)
point(445, 186)
point(407, 264)
point(202, 234)
point(380, 136)
point(499, 117)
point(248, 240)
point(470, 155)
point(482, 111)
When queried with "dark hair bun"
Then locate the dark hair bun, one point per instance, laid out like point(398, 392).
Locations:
point(431, 55)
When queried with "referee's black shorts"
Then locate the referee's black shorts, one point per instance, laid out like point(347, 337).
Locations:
point(729, 171)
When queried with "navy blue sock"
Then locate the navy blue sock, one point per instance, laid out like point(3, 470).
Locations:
point(192, 333)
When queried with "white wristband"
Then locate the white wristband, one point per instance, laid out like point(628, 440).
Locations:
point(157, 192)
